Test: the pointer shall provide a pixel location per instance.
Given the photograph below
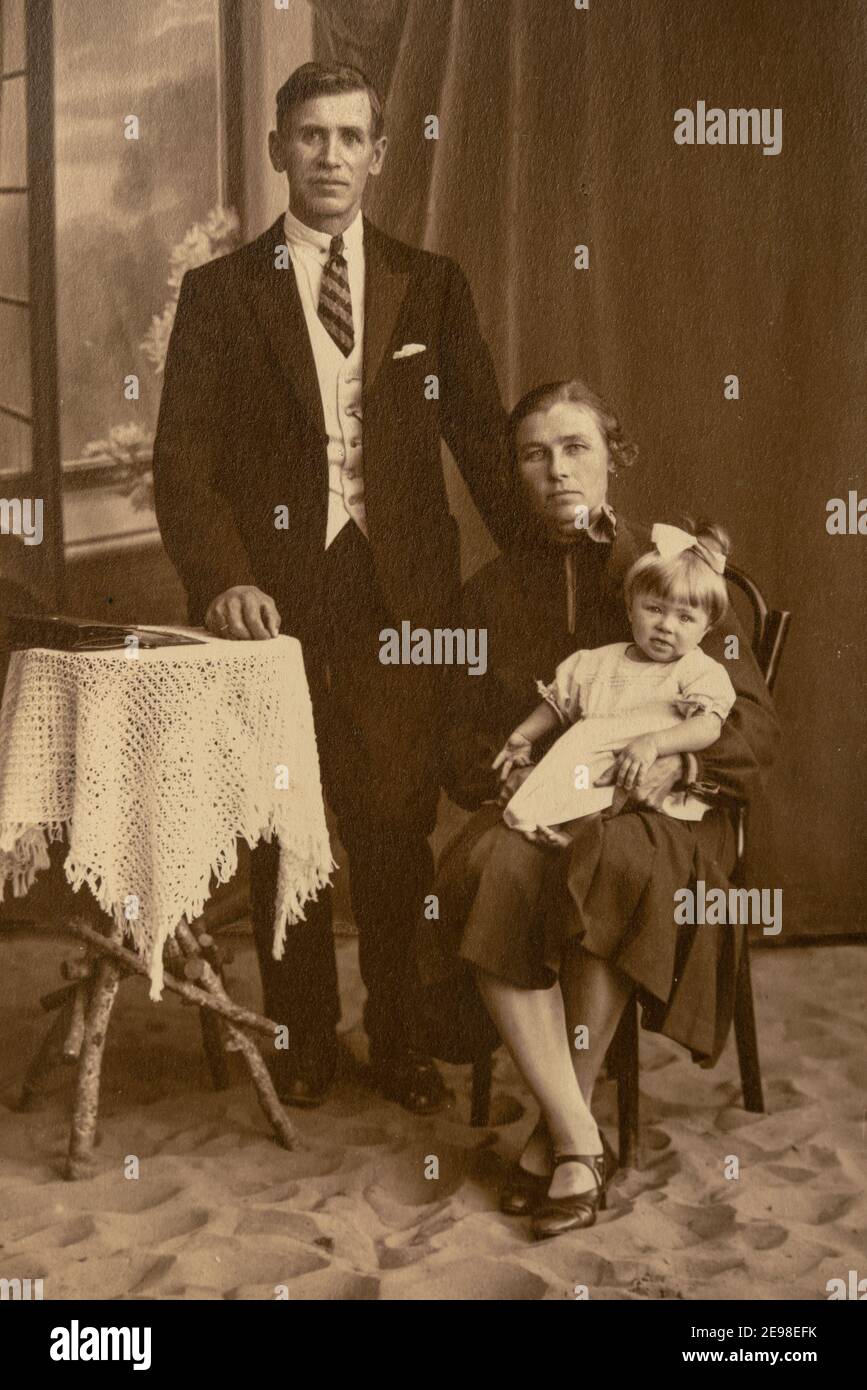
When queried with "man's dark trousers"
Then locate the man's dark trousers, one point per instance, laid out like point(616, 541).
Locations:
point(378, 731)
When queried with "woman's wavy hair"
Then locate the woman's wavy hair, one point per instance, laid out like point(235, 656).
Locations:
point(621, 449)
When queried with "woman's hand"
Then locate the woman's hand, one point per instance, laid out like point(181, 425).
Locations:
point(517, 751)
point(653, 788)
point(635, 760)
point(512, 783)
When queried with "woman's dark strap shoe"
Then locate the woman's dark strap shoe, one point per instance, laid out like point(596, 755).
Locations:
point(523, 1193)
point(556, 1215)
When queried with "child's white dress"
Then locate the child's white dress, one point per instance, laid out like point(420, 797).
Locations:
point(609, 700)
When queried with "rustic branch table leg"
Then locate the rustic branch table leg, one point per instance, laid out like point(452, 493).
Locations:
point(62, 1042)
point(213, 1043)
point(220, 1003)
point(213, 1037)
point(258, 1071)
point(261, 1079)
point(46, 1058)
point(78, 1019)
point(83, 1009)
point(83, 1133)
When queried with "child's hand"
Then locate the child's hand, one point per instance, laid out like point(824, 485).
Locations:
point(517, 751)
point(634, 760)
point(547, 835)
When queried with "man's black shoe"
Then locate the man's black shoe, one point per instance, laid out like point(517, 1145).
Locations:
point(412, 1080)
point(302, 1077)
point(302, 1091)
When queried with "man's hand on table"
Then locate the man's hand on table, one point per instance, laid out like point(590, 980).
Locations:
point(654, 785)
point(243, 614)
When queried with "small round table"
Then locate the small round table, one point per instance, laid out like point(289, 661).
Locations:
point(151, 763)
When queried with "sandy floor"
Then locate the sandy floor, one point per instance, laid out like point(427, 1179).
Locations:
point(219, 1211)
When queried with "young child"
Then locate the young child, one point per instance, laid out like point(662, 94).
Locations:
point(631, 703)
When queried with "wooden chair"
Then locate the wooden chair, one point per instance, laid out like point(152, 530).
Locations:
point(770, 630)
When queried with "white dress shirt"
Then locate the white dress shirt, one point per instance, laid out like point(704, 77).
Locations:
point(339, 377)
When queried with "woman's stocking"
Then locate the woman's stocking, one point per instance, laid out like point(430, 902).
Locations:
point(595, 993)
point(537, 1155)
point(532, 1024)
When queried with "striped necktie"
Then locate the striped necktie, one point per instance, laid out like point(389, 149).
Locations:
point(335, 300)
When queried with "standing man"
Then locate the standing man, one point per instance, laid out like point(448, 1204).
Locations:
point(309, 380)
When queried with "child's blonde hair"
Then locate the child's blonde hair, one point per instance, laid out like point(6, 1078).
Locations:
point(687, 577)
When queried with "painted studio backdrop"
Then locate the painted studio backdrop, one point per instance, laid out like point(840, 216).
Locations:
point(556, 129)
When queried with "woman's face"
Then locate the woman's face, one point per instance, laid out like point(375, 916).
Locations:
point(563, 462)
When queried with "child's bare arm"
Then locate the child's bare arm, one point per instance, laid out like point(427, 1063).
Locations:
point(689, 736)
point(536, 725)
point(516, 749)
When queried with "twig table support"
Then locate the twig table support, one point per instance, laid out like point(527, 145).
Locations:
point(151, 764)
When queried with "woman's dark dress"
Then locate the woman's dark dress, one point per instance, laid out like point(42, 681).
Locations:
point(512, 907)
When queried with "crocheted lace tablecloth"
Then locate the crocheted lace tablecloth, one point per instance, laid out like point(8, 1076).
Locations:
point(152, 765)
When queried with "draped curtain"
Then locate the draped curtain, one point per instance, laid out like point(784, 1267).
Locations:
point(556, 129)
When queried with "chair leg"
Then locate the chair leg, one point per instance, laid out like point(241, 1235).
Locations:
point(745, 1036)
point(480, 1103)
point(626, 1054)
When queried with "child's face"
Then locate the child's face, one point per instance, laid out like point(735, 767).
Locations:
point(666, 630)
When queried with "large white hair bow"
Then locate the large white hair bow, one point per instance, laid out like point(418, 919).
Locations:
point(671, 541)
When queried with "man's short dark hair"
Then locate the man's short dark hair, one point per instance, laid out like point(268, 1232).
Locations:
point(327, 79)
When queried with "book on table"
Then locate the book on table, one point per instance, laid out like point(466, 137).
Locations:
point(58, 633)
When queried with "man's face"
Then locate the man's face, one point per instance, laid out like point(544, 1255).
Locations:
point(326, 149)
point(563, 462)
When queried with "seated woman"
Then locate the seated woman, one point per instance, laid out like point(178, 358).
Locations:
point(560, 931)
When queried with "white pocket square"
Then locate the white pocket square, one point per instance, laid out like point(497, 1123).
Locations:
point(410, 349)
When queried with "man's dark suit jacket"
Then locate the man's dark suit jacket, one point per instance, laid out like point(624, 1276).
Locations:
point(241, 432)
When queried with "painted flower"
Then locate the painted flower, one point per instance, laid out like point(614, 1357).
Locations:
point(131, 446)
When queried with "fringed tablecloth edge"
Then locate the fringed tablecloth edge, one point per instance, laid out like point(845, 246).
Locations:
point(28, 852)
point(312, 871)
point(78, 874)
point(300, 877)
point(303, 872)
point(295, 891)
